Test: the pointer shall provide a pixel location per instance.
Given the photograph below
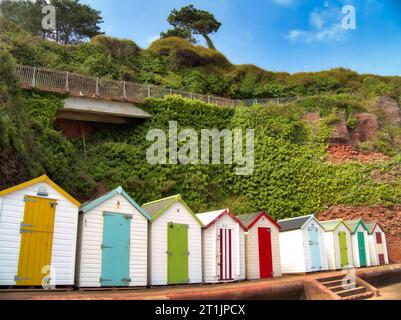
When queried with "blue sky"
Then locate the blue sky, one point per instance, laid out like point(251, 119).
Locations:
point(278, 35)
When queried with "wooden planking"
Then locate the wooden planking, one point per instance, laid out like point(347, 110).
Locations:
point(91, 238)
point(253, 249)
point(210, 255)
point(158, 245)
point(330, 249)
point(292, 252)
point(63, 248)
point(373, 250)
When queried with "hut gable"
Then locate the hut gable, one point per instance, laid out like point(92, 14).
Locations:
point(87, 206)
point(42, 179)
point(293, 223)
point(354, 225)
point(157, 208)
point(249, 220)
point(210, 218)
point(332, 225)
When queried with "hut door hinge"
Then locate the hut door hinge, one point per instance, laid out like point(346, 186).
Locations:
point(169, 253)
point(17, 278)
point(128, 216)
point(105, 280)
point(21, 231)
point(105, 247)
point(23, 225)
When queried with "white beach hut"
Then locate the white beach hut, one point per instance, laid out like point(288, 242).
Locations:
point(223, 247)
point(360, 243)
point(302, 245)
point(262, 246)
point(377, 244)
point(338, 244)
point(175, 242)
point(112, 242)
point(38, 234)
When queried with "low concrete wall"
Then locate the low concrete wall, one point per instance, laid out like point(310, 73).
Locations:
point(293, 290)
point(381, 277)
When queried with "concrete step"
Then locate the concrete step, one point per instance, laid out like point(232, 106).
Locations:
point(362, 296)
point(352, 292)
point(340, 288)
point(334, 283)
point(330, 279)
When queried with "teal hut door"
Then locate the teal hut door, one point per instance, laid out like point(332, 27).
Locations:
point(362, 251)
point(115, 250)
point(314, 248)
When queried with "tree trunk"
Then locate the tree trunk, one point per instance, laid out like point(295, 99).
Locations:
point(209, 42)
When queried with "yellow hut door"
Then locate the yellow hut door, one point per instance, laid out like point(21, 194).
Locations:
point(36, 241)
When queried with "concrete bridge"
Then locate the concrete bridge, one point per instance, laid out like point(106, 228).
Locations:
point(110, 101)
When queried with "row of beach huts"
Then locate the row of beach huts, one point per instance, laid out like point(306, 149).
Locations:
point(112, 241)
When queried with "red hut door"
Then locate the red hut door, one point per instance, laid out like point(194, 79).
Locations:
point(265, 253)
point(225, 254)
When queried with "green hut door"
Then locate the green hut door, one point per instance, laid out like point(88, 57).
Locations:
point(362, 250)
point(177, 253)
point(343, 249)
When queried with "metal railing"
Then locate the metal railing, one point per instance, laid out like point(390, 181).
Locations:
point(66, 82)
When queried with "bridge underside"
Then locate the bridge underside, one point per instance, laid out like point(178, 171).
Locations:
point(101, 111)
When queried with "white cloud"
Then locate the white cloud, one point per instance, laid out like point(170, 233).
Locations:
point(151, 39)
point(333, 33)
point(324, 26)
point(283, 2)
point(316, 20)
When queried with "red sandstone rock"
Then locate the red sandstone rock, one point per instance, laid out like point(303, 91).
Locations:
point(390, 109)
point(346, 153)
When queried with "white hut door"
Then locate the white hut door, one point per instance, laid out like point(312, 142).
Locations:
point(226, 254)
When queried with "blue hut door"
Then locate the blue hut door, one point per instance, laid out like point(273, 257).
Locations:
point(314, 248)
point(115, 250)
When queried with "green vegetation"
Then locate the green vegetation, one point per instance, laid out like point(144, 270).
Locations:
point(189, 21)
point(176, 63)
point(291, 176)
point(75, 21)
